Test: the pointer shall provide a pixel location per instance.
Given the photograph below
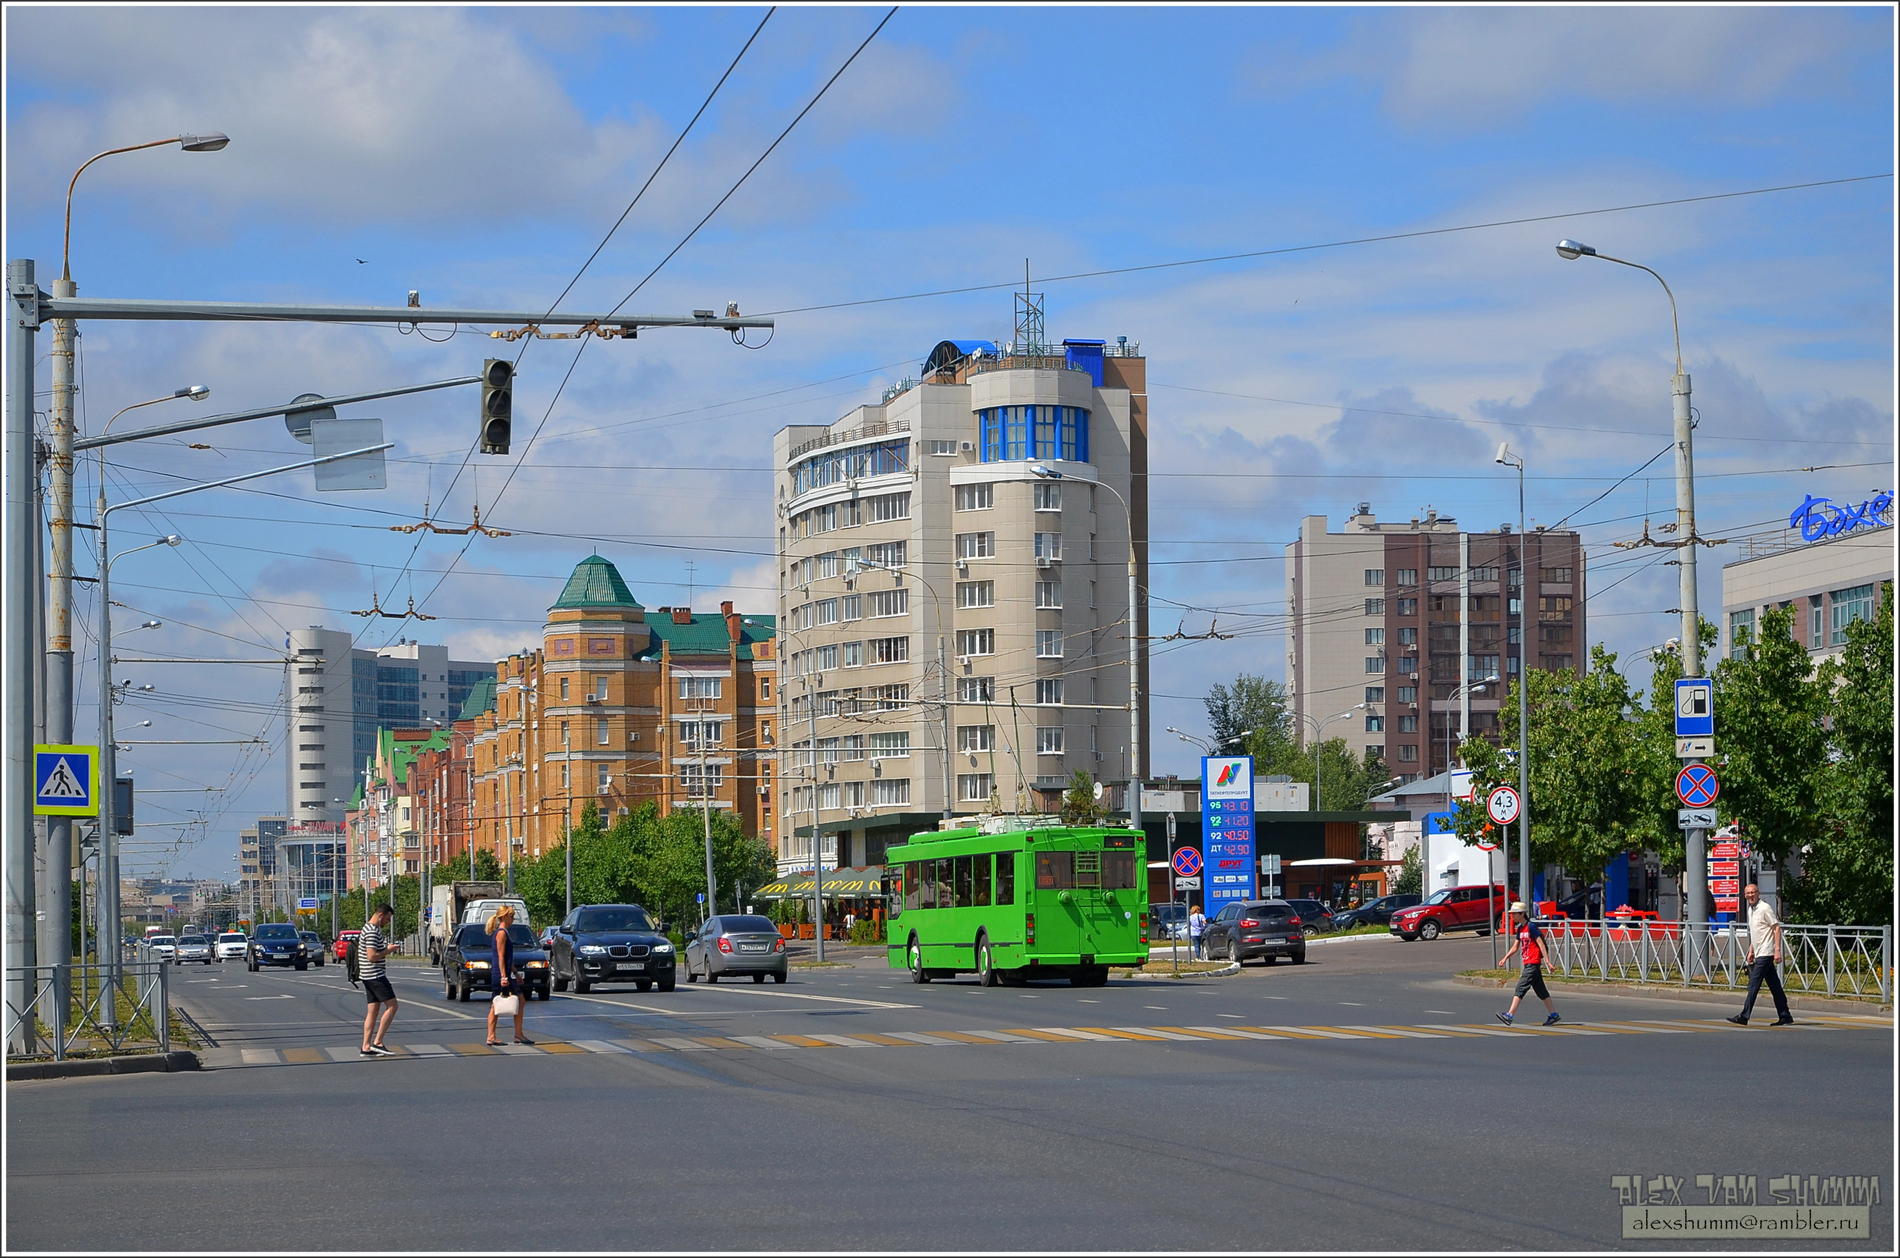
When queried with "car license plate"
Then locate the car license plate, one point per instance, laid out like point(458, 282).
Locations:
point(631, 965)
point(752, 947)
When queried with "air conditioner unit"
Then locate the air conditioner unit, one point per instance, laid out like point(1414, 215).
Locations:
point(1042, 561)
point(967, 445)
point(1098, 755)
point(963, 660)
point(963, 565)
point(767, 790)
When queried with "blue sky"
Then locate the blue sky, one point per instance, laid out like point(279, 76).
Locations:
point(479, 156)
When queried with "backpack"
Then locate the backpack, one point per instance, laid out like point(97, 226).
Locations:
point(349, 960)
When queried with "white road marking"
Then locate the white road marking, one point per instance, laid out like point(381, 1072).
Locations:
point(1160, 1034)
point(755, 1041)
point(600, 1046)
point(684, 1046)
point(917, 1037)
point(344, 1054)
point(1234, 1030)
point(1477, 1030)
point(1392, 1030)
point(1073, 1033)
point(260, 1057)
point(1003, 1037)
point(284, 996)
point(842, 1041)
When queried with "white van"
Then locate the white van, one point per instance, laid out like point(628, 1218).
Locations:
point(478, 911)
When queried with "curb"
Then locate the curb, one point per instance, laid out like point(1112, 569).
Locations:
point(152, 1063)
point(1657, 991)
point(1230, 968)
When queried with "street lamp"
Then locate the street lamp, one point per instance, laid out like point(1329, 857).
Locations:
point(1046, 472)
point(943, 668)
point(1469, 688)
point(1694, 841)
point(1319, 727)
point(1508, 458)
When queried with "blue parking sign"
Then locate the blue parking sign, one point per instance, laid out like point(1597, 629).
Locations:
point(65, 780)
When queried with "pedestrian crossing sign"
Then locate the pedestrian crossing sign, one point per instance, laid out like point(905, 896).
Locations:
point(65, 780)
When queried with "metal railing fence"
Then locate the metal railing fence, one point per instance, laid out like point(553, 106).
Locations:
point(1851, 961)
point(70, 1008)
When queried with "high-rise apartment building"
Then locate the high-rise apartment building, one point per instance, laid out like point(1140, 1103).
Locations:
point(1390, 627)
point(617, 709)
point(927, 558)
point(337, 697)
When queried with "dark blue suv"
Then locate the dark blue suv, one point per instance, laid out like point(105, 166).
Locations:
point(276, 943)
point(611, 943)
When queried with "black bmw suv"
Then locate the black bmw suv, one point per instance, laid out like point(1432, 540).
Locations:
point(611, 943)
point(276, 943)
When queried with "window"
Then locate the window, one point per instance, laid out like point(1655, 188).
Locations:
point(1741, 627)
point(1375, 724)
point(976, 689)
point(976, 642)
point(600, 687)
point(888, 507)
point(1556, 635)
point(976, 738)
point(887, 650)
point(699, 687)
point(887, 554)
point(1481, 667)
point(886, 791)
point(1555, 663)
point(1048, 496)
point(1092, 603)
point(1048, 595)
point(1441, 574)
point(826, 610)
point(563, 687)
point(1375, 694)
point(976, 545)
point(563, 733)
point(1408, 576)
point(1407, 665)
point(1375, 663)
point(851, 747)
point(600, 732)
point(943, 447)
point(1408, 607)
point(700, 781)
point(1375, 607)
point(973, 788)
point(828, 565)
point(1375, 637)
point(976, 594)
point(1049, 546)
point(1049, 690)
point(1375, 576)
point(603, 778)
point(1049, 740)
point(1849, 605)
point(1408, 635)
point(890, 746)
point(1553, 607)
point(890, 603)
point(1048, 644)
point(1555, 576)
point(976, 497)
point(852, 654)
point(1009, 433)
point(850, 607)
point(889, 698)
point(1407, 694)
point(1408, 753)
point(765, 687)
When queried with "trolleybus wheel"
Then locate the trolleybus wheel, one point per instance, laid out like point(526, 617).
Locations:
point(918, 974)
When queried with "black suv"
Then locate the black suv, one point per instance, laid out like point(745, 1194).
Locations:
point(611, 943)
point(468, 962)
point(1314, 919)
point(1256, 928)
point(276, 943)
point(1377, 913)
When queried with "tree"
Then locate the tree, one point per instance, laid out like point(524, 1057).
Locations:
point(1080, 806)
point(1254, 707)
point(1347, 780)
point(1847, 868)
point(1770, 713)
point(1411, 872)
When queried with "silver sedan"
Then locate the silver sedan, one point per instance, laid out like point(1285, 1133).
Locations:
point(737, 944)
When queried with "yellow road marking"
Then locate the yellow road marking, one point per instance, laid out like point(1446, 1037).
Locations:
point(1124, 1035)
point(559, 1046)
point(305, 1056)
point(472, 1050)
point(801, 1041)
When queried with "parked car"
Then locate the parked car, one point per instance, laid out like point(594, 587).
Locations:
point(1453, 908)
point(276, 943)
point(1256, 928)
point(312, 945)
point(231, 945)
point(161, 947)
point(1167, 920)
point(468, 962)
point(1377, 913)
point(342, 945)
point(737, 944)
point(193, 948)
point(612, 943)
point(1314, 919)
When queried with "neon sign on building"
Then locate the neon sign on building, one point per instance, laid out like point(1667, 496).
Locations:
point(1818, 518)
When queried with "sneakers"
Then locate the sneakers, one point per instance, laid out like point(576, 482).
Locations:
point(377, 1050)
point(1505, 1018)
point(1737, 1019)
point(369, 1052)
point(1553, 1019)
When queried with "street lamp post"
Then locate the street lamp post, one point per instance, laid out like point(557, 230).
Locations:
point(943, 669)
point(1319, 728)
point(1134, 628)
point(1525, 885)
point(1695, 842)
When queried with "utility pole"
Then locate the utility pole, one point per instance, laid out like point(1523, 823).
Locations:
point(16, 671)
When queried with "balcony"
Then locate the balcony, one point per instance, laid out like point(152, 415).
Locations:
point(875, 428)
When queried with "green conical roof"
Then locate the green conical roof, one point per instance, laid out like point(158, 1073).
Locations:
point(596, 583)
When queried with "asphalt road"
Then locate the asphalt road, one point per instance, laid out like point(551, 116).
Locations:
point(1360, 1101)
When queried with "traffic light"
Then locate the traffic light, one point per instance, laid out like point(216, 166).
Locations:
point(498, 404)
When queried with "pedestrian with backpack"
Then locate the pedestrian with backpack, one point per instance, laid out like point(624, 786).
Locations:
point(1531, 940)
point(364, 960)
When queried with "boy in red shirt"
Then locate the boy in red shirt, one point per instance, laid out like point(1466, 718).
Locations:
point(1531, 940)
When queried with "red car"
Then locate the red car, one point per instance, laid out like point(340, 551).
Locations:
point(343, 943)
point(1453, 908)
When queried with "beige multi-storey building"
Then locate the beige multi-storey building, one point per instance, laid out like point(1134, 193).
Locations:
point(960, 548)
point(1389, 627)
point(1829, 579)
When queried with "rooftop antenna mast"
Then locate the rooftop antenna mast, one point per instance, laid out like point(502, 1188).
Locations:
point(1030, 339)
point(690, 574)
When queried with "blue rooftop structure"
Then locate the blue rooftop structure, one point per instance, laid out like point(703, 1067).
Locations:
point(948, 352)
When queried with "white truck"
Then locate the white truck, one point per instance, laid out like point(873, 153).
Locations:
point(450, 906)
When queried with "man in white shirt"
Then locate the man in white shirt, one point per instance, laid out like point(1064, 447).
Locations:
point(1764, 954)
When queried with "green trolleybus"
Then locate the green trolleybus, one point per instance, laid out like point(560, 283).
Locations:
point(1028, 902)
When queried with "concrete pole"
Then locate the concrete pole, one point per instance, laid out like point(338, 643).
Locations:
point(1523, 708)
point(943, 667)
point(111, 933)
point(817, 849)
point(17, 670)
point(1695, 842)
point(705, 810)
point(56, 925)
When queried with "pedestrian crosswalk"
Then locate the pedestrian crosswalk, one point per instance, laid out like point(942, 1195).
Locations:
point(1168, 1035)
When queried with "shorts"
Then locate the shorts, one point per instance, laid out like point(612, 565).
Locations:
point(379, 991)
point(1532, 980)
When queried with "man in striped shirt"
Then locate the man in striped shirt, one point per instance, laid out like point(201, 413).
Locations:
point(371, 947)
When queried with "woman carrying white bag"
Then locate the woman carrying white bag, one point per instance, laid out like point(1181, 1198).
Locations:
point(509, 993)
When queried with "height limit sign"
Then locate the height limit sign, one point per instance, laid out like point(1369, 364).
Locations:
point(1503, 805)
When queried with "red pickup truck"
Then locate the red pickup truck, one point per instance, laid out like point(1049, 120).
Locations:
point(1453, 908)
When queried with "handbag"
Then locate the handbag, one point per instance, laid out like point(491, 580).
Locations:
point(506, 1006)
